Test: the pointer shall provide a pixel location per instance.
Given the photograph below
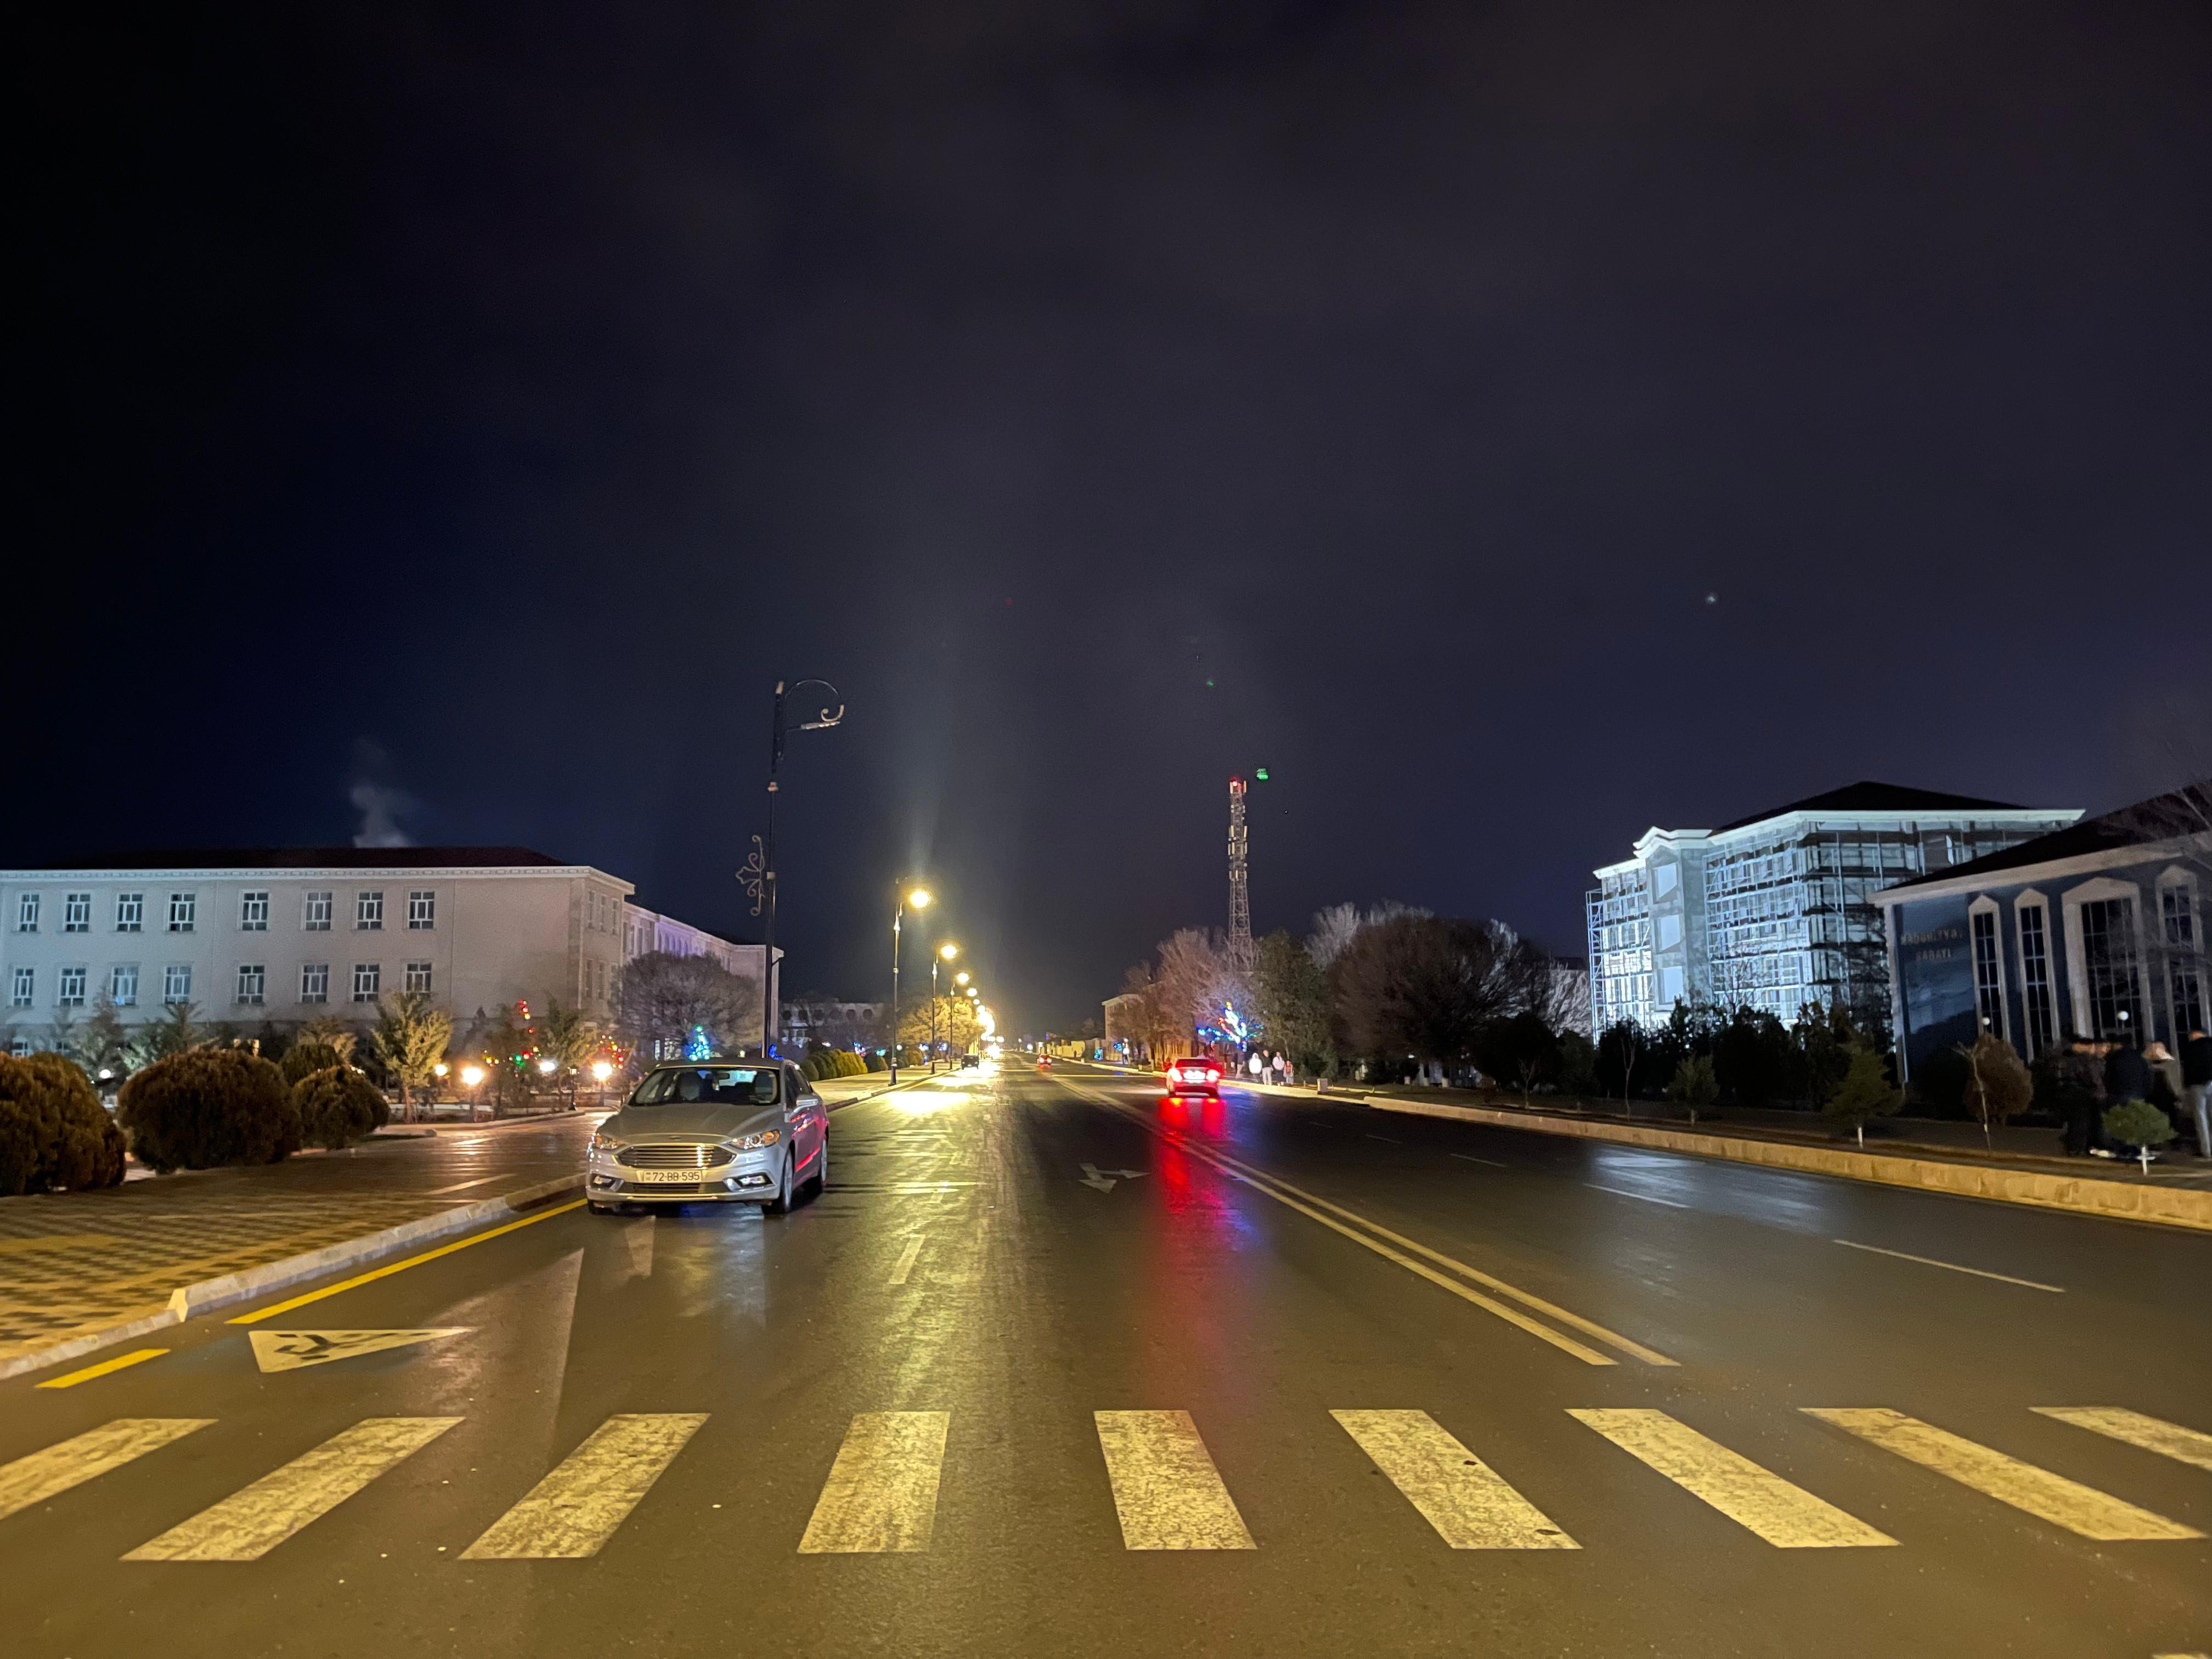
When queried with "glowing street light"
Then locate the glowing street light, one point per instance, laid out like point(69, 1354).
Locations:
point(921, 898)
point(960, 978)
point(601, 1071)
point(945, 953)
point(471, 1076)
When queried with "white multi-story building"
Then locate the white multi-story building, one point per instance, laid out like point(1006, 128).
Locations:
point(284, 935)
point(1778, 910)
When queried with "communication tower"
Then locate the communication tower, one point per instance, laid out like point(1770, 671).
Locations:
point(1240, 888)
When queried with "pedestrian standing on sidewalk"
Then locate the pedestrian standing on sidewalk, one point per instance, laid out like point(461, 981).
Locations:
point(2196, 1088)
point(2127, 1074)
point(2165, 1091)
point(2079, 1075)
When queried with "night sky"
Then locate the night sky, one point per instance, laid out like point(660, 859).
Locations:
point(1512, 425)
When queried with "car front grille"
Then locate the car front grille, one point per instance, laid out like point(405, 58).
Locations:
point(667, 1188)
point(675, 1155)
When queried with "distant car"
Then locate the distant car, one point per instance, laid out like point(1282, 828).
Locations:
point(1199, 1073)
point(966, 1060)
point(712, 1132)
point(1044, 1062)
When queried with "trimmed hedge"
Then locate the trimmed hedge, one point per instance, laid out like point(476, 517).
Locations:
point(207, 1107)
point(54, 1132)
point(338, 1105)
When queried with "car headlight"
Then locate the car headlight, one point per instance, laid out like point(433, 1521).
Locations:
point(754, 1143)
point(602, 1143)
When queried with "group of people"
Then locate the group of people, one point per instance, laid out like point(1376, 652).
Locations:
point(1267, 1068)
point(2093, 1074)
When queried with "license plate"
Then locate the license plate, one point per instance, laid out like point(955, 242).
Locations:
point(665, 1177)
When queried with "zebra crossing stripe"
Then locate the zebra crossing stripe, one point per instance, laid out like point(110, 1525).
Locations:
point(573, 1511)
point(1471, 1507)
point(43, 1474)
point(252, 1521)
point(881, 1495)
point(2151, 1433)
point(1166, 1490)
point(1786, 1515)
point(2068, 1503)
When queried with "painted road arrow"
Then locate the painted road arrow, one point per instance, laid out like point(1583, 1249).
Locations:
point(1103, 1179)
point(289, 1351)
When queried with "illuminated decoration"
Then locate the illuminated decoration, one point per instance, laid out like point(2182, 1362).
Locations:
point(1259, 774)
point(696, 1047)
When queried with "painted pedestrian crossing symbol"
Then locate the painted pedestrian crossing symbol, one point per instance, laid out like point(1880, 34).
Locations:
point(1155, 1477)
point(290, 1350)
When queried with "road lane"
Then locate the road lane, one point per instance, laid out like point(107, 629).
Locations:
point(1036, 1306)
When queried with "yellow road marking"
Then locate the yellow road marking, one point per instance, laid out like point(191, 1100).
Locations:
point(359, 1279)
point(253, 1520)
point(2151, 1433)
point(71, 1462)
point(1786, 1515)
point(69, 1380)
point(881, 1495)
point(1471, 1507)
point(1166, 1490)
point(573, 1511)
point(1308, 1204)
point(2068, 1503)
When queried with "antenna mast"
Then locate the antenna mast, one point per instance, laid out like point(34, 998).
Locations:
point(1240, 888)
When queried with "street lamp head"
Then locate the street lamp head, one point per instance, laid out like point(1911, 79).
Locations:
point(921, 898)
point(601, 1071)
point(472, 1075)
point(948, 951)
point(961, 978)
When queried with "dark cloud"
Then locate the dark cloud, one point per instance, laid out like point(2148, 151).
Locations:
point(535, 396)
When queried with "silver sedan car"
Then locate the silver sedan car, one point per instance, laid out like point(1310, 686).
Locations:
point(712, 1131)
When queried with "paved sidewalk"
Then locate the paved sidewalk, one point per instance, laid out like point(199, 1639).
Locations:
point(73, 1262)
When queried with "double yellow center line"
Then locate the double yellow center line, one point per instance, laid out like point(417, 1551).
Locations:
point(1413, 1256)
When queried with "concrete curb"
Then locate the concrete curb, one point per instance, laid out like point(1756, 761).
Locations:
point(2081, 1194)
point(189, 1301)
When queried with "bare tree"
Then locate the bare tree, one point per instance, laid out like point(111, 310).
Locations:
point(661, 999)
point(1335, 927)
point(1426, 985)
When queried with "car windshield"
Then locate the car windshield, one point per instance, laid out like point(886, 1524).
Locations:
point(721, 1085)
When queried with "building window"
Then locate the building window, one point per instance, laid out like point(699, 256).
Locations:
point(418, 976)
point(77, 913)
point(367, 980)
point(68, 989)
point(369, 913)
point(19, 1046)
point(421, 911)
point(184, 909)
point(177, 983)
point(2035, 978)
point(129, 912)
point(24, 990)
point(1989, 979)
point(253, 984)
point(315, 982)
point(2177, 902)
point(27, 913)
point(316, 917)
point(254, 912)
point(2108, 960)
point(123, 986)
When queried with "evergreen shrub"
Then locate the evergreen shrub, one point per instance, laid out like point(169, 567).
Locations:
point(337, 1104)
point(54, 1132)
point(207, 1107)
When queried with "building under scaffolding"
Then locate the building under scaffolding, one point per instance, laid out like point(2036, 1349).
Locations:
point(1778, 910)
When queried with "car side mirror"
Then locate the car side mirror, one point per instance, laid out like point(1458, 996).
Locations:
point(809, 1100)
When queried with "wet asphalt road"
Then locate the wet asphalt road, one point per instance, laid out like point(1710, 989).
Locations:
point(1055, 1368)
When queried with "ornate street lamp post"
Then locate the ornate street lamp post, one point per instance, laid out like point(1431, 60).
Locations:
point(758, 875)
